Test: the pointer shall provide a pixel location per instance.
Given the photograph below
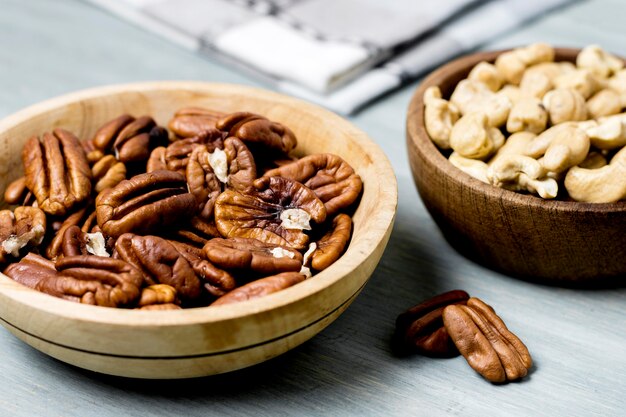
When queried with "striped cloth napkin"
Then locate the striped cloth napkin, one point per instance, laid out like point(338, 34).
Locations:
point(339, 53)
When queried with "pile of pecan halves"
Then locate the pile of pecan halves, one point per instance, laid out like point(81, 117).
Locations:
point(214, 210)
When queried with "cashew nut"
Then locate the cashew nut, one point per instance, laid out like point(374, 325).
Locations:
point(519, 172)
point(439, 117)
point(594, 160)
point(535, 84)
point(487, 74)
point(512, 64)
point(564, 104)
point(432, 93)
point(473, 167)
point(515, 144)
point(618, 83)
point(562, 146)
point(604, 103)
point(598, 61)
point(471, 96)
point(527, 114)
point(551, 69)
point(512, 92)
point(468, 92)
point(602, 185)
point(581, 80)
point(473, 137)
point(610, 134)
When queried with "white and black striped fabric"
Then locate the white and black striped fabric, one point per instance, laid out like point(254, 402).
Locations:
point(338, 53)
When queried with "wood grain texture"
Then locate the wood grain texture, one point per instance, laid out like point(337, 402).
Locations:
point(576, 337)
point(519, 234)
point(208, 340)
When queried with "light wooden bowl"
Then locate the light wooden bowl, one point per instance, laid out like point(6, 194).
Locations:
point(208, 340)
point(558, 242)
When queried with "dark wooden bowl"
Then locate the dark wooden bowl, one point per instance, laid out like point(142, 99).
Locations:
point(522, 235)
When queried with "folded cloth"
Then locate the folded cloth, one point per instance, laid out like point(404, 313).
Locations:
point(338, 53)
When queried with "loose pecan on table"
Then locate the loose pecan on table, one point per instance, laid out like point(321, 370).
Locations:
point(420, 329)
point(144, 203)
point(276, 211)
point(57, 171)
point(485, 342)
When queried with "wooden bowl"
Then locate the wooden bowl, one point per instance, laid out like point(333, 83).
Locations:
point(558, 242)
point(208, 340)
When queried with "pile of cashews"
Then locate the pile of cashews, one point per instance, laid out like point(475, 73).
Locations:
point(527, 123)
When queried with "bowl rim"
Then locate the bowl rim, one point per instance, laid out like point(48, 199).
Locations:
point(378, 235)
point(418, 137)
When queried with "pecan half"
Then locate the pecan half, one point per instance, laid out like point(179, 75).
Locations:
point(195, 233)
point(209, 172)
point(144, 203)
point(177, 154)
point(191, 121)
point(55, 247)
point(215, 280)
point(160, 263)
point(16, 191)
point(31, 269)
point(157, 294)
point(76, 242)
point(105, 136)
point(276, 211)
point(420, 329)
point(57, 171)
point(255, 129)
point(252, 254)
point(485, 342)
point(331, 245)
point(330, 177)
point(93, 280)
point(156, 161)
point(131, 139)
point(107, 173)
point(24, 227)
point(260, 288)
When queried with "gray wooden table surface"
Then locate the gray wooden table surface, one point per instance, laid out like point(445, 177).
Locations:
point(577, 337)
